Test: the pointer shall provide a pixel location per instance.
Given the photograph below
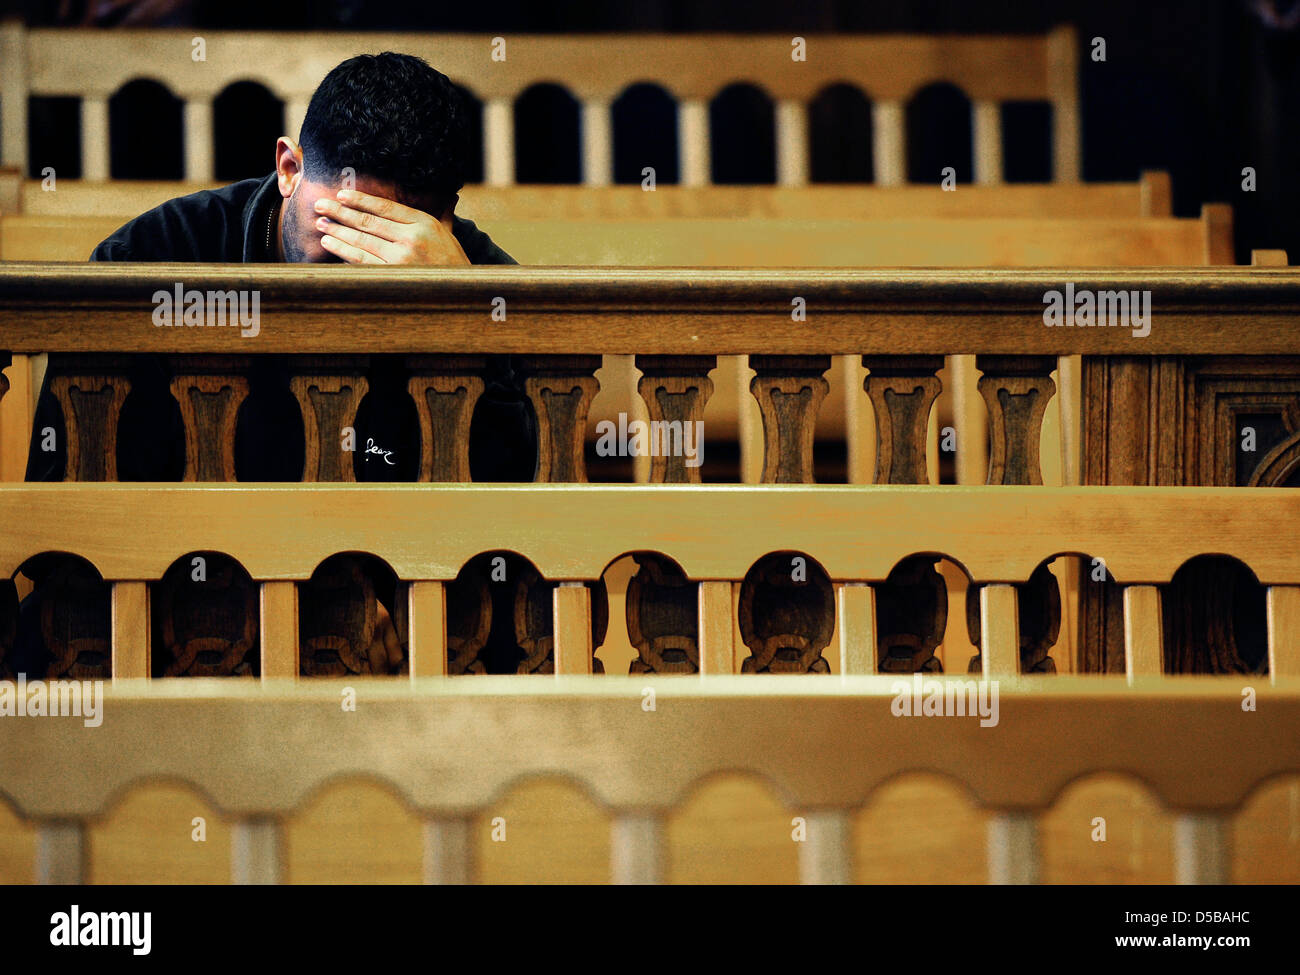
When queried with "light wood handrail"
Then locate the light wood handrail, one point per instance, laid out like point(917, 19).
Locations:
point(661, 311)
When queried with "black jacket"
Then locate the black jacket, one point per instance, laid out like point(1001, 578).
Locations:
point(230, 225)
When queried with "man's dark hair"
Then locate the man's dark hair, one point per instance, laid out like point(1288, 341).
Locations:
point(391, 117)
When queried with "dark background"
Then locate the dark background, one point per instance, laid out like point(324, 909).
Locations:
point(1201, 88)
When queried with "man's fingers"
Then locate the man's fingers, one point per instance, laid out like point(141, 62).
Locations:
point(380, 206)
point(377, 246)
point(348, 252)
point(368, 222)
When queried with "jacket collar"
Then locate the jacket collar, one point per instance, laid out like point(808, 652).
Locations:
point(260, 210)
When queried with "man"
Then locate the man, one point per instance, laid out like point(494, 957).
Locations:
point(374, 178)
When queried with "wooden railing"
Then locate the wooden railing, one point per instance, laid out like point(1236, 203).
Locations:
point(1150, 196)
point(92, 65)
point(824, 746)
point(1222, 349)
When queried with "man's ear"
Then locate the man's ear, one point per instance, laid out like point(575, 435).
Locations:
point(288, 165)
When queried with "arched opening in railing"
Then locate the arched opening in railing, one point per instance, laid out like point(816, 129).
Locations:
point(659, 632)
point(501, 617)
point(145, 127)
point(840, 135)
point(742, 135)
point(1214, 619)
point(939, 136)
point(63, 627)
point(786, 615)
point(547, 131)
point(205, 619)
point(472, 106)
point(352, 619)
point(646, 135)
point(246, 120)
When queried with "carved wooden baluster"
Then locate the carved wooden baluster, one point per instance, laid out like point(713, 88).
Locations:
point(445, 390)
point(902, 390)
point(662, 617)
point(561, 388)
point(1017, 390)
point(535, 622)
point(328, 395)
point(209, 393)
point(206, 626)
point(911, 616)
point(789, 390)
point(786, 615)
point(675, 390)
point(1039, 613)
point(92, 406)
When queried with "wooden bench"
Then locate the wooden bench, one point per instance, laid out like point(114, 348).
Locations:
point(826, 747)
point(904, 322)
point(1149, 197)
point(990, 70)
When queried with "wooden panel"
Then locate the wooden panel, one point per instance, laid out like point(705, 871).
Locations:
point(279, 637)
point(1150, 197)
point(16, 404)
point(1283, 631)
point(428, 622)
point(281, 533)
point(857, 625)
point(717, 654)
point(1143, 632)
point(650, 311)
point(1000, 631)
point(131, 639)
point(708, 726)
point(696, 65)
point(572, 628)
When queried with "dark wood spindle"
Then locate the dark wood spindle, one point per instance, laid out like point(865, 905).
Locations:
point(675, 390)
point(92, 407)
point(561, 388)
point(902, 390)
point(445, 390)
point(1017, 390)
point(328, 392)
point(210, 393)
point(789, 390)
